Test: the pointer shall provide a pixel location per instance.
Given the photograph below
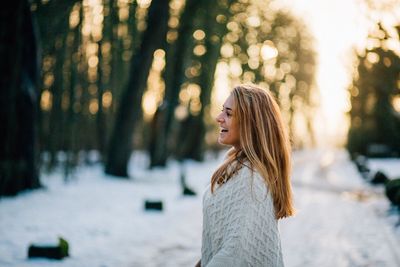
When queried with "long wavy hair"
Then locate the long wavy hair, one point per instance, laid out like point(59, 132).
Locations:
point(264, 145)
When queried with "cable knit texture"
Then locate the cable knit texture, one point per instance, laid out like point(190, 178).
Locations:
point(239, 225)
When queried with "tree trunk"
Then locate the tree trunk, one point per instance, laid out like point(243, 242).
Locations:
point(56, 131)
point(129, 110)
point(193, 144)
point(72, 118)
point(101, 123)
point(51, 25)
point(176, 56)
point(116, 78)
point(53, 32)
point(18, 99)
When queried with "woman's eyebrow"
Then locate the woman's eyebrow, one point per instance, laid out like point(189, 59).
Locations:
point(226, 108)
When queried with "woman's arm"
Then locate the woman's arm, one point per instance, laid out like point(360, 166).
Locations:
point(198, 264)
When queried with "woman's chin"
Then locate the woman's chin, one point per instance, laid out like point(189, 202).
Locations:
point(221, 141)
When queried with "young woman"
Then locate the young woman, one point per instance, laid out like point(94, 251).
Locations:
point(251, 190)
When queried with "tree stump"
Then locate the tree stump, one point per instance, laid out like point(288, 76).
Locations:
point(57, 252)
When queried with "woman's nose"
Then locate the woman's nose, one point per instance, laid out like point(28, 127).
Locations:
point(219, 117)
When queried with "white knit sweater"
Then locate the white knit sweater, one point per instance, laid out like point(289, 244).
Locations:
point(239, 225)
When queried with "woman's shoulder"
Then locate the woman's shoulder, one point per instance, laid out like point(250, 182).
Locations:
point(252, 179)
point(250, 172)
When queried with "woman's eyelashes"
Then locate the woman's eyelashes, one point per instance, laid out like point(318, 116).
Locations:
point(228, 114)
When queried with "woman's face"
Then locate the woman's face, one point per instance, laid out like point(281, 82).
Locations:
point(229, 128)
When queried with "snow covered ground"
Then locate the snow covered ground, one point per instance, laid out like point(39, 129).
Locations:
point(341, 220)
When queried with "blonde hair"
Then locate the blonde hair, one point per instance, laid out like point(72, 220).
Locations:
point(264, 144)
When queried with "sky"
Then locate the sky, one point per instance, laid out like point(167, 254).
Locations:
point(338, 26)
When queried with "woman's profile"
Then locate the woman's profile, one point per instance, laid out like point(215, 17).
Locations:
point(251, 189)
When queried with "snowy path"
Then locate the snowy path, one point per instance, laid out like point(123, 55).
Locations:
point(341, 220)
point(336, 224)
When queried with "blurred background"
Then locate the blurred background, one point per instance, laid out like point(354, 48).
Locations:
point(92, 83)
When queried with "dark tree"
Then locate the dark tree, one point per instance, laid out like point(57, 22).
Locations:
point(18, 98)
point(375, 123)
point(192, 146)
point(178, 54)
point(129, 111)
point(54, 30)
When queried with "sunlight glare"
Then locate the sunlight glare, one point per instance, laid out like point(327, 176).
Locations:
point(107, 99)
point(199, 35)
point(396, 103)
point(338, 27)
point(221, 88)
point(46, 100)
point(93, 106)
point(268, 50)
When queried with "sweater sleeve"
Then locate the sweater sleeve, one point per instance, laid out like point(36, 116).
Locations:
point(250, 237)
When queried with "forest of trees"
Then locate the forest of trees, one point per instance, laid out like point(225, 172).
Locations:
point(112, 76)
